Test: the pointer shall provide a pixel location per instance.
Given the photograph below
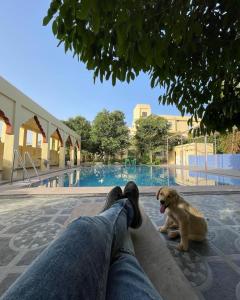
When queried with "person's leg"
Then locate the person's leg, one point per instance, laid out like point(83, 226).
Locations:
point(126, 278)
point(76, 265)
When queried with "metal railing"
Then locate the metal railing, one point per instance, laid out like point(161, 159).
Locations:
point(27, 155)
point(22, 162)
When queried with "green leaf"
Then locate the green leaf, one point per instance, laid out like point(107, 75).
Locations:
point(54, 27)
point(96, 23)
point(85, 9)
point(191, 51)
point(46, 20)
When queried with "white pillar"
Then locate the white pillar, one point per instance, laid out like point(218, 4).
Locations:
point(34, 139)
point(62, 157)
point(72, 155)
point(45, 157)
point(78, 157)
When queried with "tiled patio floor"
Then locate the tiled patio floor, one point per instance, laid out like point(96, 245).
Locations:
point(28, 225)
point(212, 267)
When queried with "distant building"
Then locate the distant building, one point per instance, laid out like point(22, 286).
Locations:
point(180, 155)
point(178, 124)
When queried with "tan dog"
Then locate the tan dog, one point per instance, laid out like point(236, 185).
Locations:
point(181, 215)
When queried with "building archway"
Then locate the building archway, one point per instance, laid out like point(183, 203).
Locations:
point(77, 153)
point(31, 139)
point(69, 161)
point(56, 142)
point(5, 119)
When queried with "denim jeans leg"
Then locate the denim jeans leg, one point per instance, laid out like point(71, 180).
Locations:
point(126, 278)
point(76, 265)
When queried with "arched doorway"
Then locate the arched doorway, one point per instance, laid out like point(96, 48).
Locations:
point(55, 143)
point(31, 139)
point(69, 152)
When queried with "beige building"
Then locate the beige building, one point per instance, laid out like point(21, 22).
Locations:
point(179, 155)
point(25, 127)
point(178, 124)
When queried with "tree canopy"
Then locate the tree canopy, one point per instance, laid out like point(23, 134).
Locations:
point(189, 47)
point(177, 139)
point(228, 143)
point(110, 133)
point(151, 133)
point(83, 127)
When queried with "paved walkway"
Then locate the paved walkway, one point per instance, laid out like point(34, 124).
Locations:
point(29, 224)
point(212, 267)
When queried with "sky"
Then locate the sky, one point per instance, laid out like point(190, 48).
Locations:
point(32, 62)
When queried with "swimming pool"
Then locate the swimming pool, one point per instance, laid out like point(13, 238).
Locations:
point(143, 175)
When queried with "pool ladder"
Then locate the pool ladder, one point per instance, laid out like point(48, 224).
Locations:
point(22, 162)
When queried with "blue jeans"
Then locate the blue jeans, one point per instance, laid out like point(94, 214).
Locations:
point(92, 259)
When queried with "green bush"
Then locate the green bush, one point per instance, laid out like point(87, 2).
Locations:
point(144, 159)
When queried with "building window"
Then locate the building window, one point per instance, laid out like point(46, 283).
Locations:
point(29, 139)
point(144, 114)
point(39, 140)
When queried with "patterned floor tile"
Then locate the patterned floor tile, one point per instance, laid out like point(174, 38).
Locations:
point(6, 253)
point(29, 257)
point(206, 265)
point(7, 281)
point(224, 281)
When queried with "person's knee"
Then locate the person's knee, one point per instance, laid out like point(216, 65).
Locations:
point(96, 226)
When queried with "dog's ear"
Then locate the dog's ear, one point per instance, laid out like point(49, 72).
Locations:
point(174, 197)
point(157, 195)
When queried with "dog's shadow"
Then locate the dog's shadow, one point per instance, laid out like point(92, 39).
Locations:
point(203, 248)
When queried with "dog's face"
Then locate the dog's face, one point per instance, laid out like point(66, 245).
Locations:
point(168, 198)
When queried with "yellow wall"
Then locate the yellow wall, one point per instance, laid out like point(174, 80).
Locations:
point(178, 123)
point(179, 155)
point(25, 114)
point(1, 154)
point(35, 154)
point(141, 110)
point(54, 158)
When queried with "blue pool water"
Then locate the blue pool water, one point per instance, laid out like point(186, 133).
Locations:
point(142, 175)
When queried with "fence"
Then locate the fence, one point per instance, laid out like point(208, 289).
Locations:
point(216, 161)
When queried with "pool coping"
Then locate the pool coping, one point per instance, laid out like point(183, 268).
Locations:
point(102, 191)
point(22, 188)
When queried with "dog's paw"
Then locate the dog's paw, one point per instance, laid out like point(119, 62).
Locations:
point(181, 247)
point(163, 229)
point(174, 226)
